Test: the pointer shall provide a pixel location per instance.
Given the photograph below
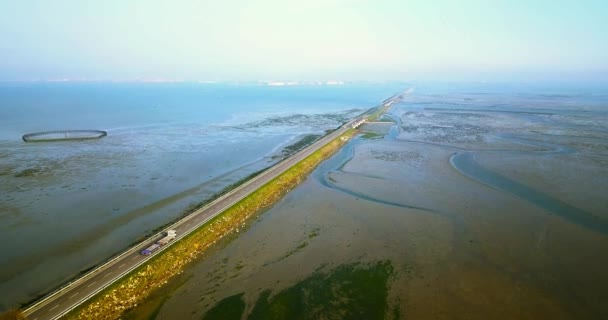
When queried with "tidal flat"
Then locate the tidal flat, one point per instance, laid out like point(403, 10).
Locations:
point(68, 206)
point(488, 204)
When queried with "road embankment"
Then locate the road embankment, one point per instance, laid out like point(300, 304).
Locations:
point(126, 293)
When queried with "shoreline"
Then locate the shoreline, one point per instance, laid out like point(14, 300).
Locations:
point(333, 140)
point(272, 158)
point(125, 293)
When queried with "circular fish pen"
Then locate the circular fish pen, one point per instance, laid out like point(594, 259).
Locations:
point(64, 135)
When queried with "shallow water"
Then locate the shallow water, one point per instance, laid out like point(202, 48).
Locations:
point(501, 238)
point(66, 206)
point(466, 164)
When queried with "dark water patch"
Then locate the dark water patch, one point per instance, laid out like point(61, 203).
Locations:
point(230, 308)
point(465, 163)
point(351, 291)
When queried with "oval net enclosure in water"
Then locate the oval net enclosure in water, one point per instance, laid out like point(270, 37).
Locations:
point(63, 135)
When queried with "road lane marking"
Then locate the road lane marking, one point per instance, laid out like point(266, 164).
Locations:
point(73, 295)
point(243, 192)
point(107, 274)
point(54, 307)
point(120, 266)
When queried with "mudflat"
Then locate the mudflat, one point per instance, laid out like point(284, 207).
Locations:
point(478, 205)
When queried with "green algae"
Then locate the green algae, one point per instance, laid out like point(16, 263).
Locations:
point(350, 291)
point(371, 135)
point(291, 252)
point(230, 308)
point(301, 144)
point(31, 172)
point(314, 233)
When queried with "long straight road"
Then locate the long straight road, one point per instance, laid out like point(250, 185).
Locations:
point(75, 293)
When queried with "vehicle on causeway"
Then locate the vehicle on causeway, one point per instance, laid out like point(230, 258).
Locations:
point(171, 234)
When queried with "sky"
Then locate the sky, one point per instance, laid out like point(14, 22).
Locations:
point(303, 40)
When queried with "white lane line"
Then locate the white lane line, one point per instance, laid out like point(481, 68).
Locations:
point(73, 295)
point(251, 184)
point(107, 274)
point(54, 307)
point(120, 266)
point(134, 257)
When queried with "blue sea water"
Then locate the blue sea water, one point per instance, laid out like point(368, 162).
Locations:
point(32, 107)
point(66, 206)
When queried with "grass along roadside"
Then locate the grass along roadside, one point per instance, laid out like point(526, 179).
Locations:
point(146, 237)
point(286, 152)
point(132, 289)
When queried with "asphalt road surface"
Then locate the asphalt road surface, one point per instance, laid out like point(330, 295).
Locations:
point(75, 293)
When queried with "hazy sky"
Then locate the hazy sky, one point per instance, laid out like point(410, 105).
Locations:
point(306, 39)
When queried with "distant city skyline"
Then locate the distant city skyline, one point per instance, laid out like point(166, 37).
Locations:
point(314, 40)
